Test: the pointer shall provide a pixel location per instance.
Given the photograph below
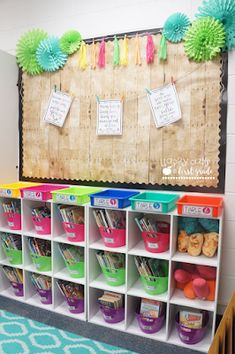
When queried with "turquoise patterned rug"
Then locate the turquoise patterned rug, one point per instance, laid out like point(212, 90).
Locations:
point(19, 335)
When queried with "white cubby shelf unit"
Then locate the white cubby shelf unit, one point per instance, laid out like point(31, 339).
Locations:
point(94, 281)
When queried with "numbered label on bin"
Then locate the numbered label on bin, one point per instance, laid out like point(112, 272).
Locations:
point(65, 198)
point(197, 210)
point(152, 245)
point(152, 206)
point(5, 193)
point(33, 195)
point(106, 202)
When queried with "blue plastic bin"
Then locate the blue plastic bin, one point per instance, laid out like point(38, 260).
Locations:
point(112, 198)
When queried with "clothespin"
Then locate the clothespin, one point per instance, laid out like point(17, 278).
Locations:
point(148, 91)
point(97, 99)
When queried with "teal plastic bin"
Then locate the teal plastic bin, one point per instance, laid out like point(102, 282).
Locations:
point(155, 202)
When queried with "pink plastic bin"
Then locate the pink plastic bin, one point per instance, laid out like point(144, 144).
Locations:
point(13, 220)
point(157, 241)
point(75, 232)
point(42, 225)
point(41, 192)
point(113, 237)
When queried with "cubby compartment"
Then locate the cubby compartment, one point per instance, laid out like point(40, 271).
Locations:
point(116, 319)
point(69, 305)
point(37, 222)
point(107, 229)
point(204, 335)
point(34, 260)
point(11, 249)
point(10, 215)
point(38, 294)
point(12, 286)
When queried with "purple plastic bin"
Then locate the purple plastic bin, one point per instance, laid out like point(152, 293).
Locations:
point(112, 315)
point(46, 296)
point(150, 325)
point(18, 289)
point(75, 305)
point(191, 335)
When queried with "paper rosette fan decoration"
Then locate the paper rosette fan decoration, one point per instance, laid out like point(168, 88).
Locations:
point(175, 27)
point(204, 39)
point(224, 11)
point(49, 55)
point(26, 51)
point(70, 42)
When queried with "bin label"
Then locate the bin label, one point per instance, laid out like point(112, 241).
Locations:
point(152, 206)
point(33, 195)
point(65, 198)
point(106, 202)
point(197, 210)
point(152, 245)
point(108, 240)
point(5, 192)
point(38, 228)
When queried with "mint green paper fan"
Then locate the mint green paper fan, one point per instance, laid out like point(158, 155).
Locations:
point(204, 39)
point(70, 42)
point(175, 27)
point(224, 11)
point(26, 51)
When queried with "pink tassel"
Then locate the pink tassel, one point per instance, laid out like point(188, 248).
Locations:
point(150, 49)
point(101, 58)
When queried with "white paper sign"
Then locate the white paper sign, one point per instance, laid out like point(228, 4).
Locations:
point(57, 109)
point(164, 103)
point(109, 117)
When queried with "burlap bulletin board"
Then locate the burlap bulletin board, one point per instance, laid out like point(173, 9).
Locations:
point(188, 155)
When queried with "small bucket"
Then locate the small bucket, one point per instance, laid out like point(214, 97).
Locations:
point(42, 225)
point(191, 335)
point(112, 315)
point(155, 285)
point(13, 220)
point(42, 263)
point(113, 237)
point(45, 296)
point(74, 232)
point(150, 325)
point(76, 269)
point(18, 289)
point(157, 241)
point(15, 256)
point(75, 305)
point(114, 277)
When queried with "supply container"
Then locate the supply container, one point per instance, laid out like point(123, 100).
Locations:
point(150, 325)
point(112, 198)
point(157, 241)
point(76, 269)
point(14, 255)
point(18, 289)
point(112, 315)
point(113, 237)
point(154, 202)
point(42, 263)
point(74, 195)
point(12, 190)
point(114, 277)
point(41, 192)
point(13, 220)
point(42, 225)
point(200, 206)
point(75, 305)
point(45, 296)
point(74, 232)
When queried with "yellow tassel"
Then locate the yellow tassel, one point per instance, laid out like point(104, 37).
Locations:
point(93, 56)
point(83, 58)
point(124, 55)
point(137, 51)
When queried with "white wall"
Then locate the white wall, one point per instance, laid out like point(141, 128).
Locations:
point(96, 18)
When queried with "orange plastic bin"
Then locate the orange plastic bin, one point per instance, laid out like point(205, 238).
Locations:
point(200, 206)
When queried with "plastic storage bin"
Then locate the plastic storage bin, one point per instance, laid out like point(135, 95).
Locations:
point(42, 263)
point(45, 296)
point(112, 315)
point(40, 192)
point(113, 237)
point(112, 198)
point(18, 289)
point(75, 305)
point(155, 285)
point(12, 190)
point(200, 206)
point(42, 225)
point(76, 269)
point(74, 195)
point(155, 202)
point(13, 220)
point(14, 256)
point(74, 232)
point(150, 325)
point(191, 335)
point(157, 241)
point(114, 277)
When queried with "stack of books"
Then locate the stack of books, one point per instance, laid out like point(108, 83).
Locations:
point(151, 308)
point(11, 207)
point(14, 275)
point(114, 219)
point(41, 212)
point(149, 267)
point(72, 214)
point(191, 319)
point(39, 246)
point(71, 253)
point(110, 260)
point(12, 241)
point(70, 290)
point(111, 300)
point(41, 281)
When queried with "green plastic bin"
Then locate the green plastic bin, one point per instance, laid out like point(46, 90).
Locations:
point(42, 263)
point(155, 202)
point(74, 195)
point(114, 277)
point(15, 256)
point(76, 269)
point(155, 285)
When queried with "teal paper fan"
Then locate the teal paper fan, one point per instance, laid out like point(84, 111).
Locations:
point(26, 51)
point(224, 11)
point(175, 27)
point(70, 42)
point(204, 39)
point(49, 55)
